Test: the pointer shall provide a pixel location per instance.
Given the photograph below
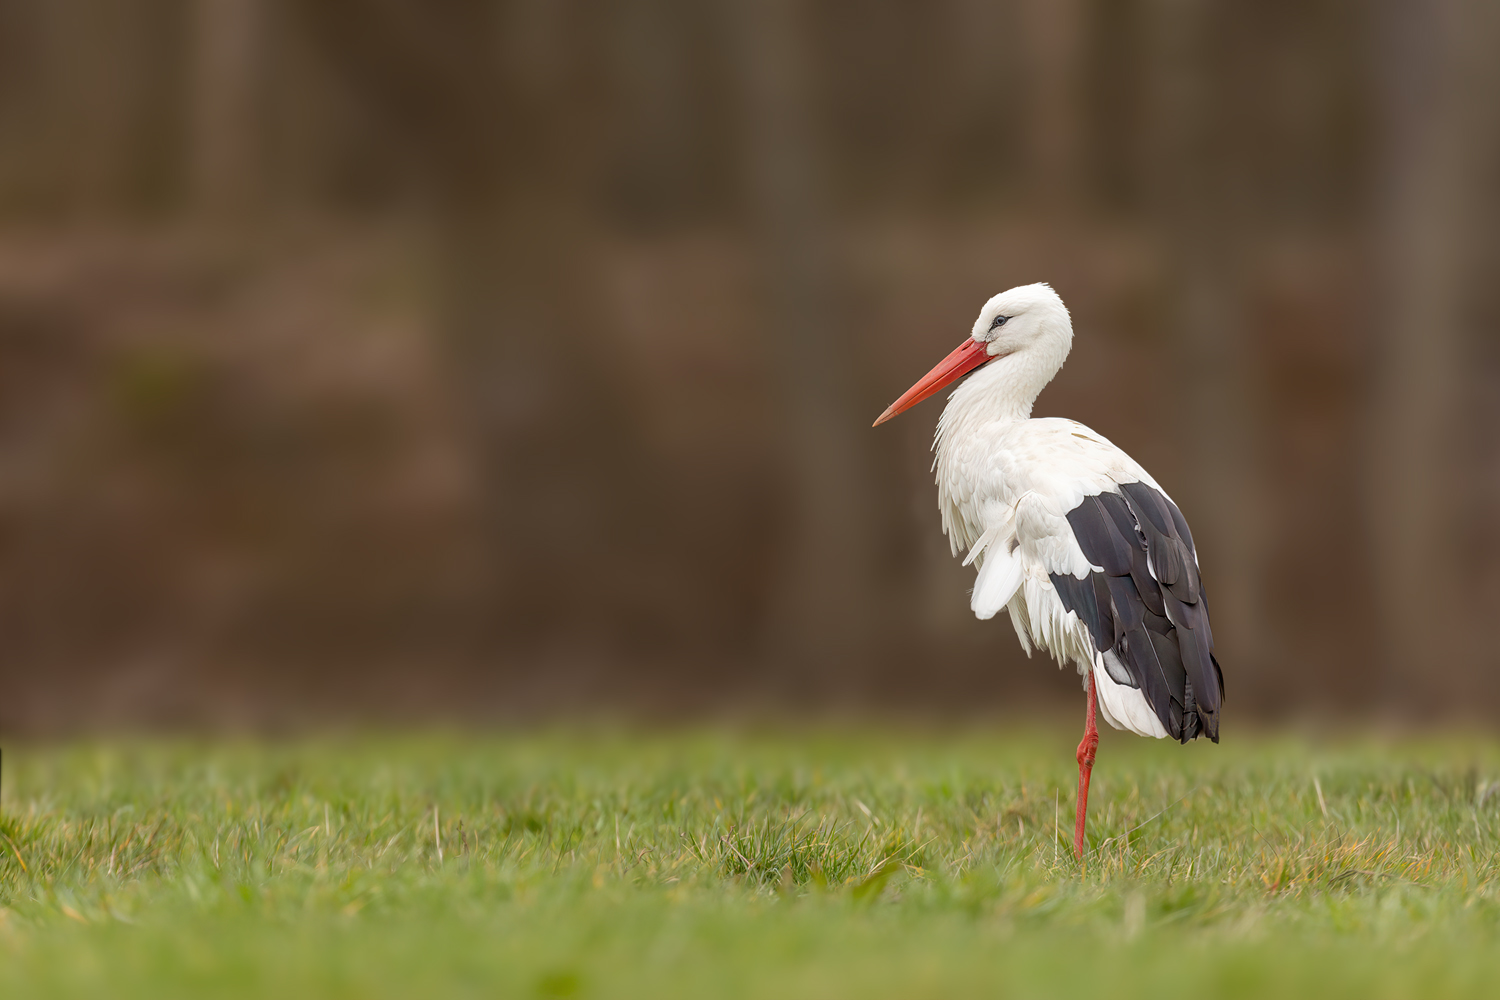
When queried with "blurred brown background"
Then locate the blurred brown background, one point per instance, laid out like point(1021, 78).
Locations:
point(382, 359)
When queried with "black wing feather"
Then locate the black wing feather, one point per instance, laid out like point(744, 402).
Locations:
point(1079, 595)
point(1148, 604)
point(1097, 536)
point(1128, 533)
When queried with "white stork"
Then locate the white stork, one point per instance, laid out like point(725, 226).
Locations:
point(1089, 555)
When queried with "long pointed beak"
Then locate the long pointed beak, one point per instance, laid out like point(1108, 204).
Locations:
point(964, 359)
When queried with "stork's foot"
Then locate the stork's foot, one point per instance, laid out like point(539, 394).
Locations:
point(1086, 750)
point(1087, 747)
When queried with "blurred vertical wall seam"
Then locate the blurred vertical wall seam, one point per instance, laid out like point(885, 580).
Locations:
point(225, 119)
point(501, 358)
point(1437, 114)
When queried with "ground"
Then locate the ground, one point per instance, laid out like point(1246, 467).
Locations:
point(816, 862)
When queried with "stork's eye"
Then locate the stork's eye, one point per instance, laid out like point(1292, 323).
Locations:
point(998, 322)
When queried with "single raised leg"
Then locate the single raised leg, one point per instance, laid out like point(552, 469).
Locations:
point(1086, 750)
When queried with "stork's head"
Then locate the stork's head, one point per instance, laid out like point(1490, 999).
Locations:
point(1028, 320)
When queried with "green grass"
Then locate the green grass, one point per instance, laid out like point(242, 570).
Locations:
point(821, 863)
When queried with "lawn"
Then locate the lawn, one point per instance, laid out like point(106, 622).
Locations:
point(815, 862)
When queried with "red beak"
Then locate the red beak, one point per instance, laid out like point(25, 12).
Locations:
point(968, 356)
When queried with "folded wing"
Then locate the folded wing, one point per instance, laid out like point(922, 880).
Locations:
point(1145, 605)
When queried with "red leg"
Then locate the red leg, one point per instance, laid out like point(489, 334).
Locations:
point(1086, 749)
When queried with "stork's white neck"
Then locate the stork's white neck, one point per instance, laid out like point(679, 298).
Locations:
point(1002, 391)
